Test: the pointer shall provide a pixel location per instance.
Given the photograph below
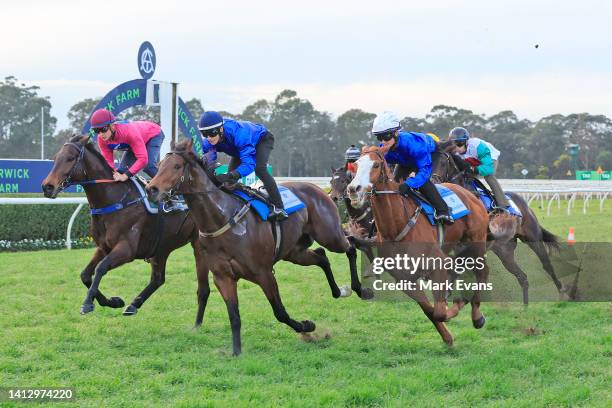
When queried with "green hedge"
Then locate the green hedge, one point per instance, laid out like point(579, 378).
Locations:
point(42, 222)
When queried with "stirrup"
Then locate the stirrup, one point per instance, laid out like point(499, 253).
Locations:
point(445, 218)
point(278, 214)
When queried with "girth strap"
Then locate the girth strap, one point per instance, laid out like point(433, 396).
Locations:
point(411, 222)
point(233, 221)
point(278, 237)
point(114, 207)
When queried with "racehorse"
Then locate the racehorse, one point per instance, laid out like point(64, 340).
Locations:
point(360, 221)
point(506, 229)
point(238, 244)
point(124, 235)
point(399, 219)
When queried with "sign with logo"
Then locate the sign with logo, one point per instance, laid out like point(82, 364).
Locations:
point(26, 176)
point(146, 60)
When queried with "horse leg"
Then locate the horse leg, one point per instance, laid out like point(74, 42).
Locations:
point(419, 297)
point(540, 251)
point(482, 276)
point(267, 282)
point(351, 254)
point(307, 257)
point(227, 287)
point(119, 255)
point(203, 285)
point(86, 278)
point(158, 274)
point(505, 252)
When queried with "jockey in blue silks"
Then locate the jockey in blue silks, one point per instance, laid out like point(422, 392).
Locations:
point(249, 145)
point(412, 152)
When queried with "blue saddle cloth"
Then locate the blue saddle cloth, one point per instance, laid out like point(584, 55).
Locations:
point(457, 208)
point(489, 203)
point(290, 201)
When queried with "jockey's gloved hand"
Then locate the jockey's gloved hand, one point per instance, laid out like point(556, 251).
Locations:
point(231, 177)
point(404, 189)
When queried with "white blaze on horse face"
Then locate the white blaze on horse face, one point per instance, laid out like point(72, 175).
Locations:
point(361, 184)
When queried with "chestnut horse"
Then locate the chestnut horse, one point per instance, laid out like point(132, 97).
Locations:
point(123, 235)
point(506, 229)
point(238, 244)
point(399, 219)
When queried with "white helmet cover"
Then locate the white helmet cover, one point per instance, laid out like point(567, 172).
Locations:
point(385, 122)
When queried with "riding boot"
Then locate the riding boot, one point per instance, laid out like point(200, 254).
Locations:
point(433, 195)
point(498, 192)
point(278, 209)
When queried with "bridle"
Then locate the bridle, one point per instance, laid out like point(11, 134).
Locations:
point(437, 178)
point(67, 181)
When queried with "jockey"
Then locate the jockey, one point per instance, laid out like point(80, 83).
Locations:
point(411, 151)
point(351, 156)
point(249, 145)
point(141, 139)
point(479, 158)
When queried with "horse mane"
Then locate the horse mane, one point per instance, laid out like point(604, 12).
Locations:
point(446, 146)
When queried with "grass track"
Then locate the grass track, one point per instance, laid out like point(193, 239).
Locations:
point(379, 353)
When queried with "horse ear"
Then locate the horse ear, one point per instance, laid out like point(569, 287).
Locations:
point(84, 139)
point(333, 170)
point(172, 144)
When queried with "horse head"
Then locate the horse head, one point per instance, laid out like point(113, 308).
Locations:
point(372, 173)
point(339, 182)
point(444, 168)
point(68, 166)
point(175, 174)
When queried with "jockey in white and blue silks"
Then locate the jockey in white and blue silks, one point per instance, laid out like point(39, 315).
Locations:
point(249, 145)
point(411, 151)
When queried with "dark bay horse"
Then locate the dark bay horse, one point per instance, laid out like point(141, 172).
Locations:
point(398, 219)
point(360, 220)
point(123, 235)
point(506, 229)
point(238, 244)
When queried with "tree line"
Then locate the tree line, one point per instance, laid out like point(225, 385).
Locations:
point(308, 142)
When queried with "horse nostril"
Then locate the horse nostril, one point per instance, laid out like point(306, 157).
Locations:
point(358, 188)
point(153, 190)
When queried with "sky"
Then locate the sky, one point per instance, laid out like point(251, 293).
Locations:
point(405, 56)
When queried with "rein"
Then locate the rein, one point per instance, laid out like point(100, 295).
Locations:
point(384, 178)
point(235, 219)
point(67, 182)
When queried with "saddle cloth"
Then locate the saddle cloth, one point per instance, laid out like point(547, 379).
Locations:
point(290, 201)
point(457, 208)
point(489, 203)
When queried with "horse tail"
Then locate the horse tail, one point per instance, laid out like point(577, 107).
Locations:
point(550, 240)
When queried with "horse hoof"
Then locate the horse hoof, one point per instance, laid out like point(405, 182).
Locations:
point(367, 293)
point(116, 302)
point(345, 291)
point(87, 308)
point(130, 310)
point(308, 326)
point(478, 324)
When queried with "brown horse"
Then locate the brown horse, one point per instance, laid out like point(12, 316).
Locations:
point(238, 244)
point(360, 221)
point(506, 229)
point(124, 235)
point(399, 219)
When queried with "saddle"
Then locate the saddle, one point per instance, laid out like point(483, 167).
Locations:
point(488, 199)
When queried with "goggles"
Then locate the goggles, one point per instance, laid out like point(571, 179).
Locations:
point(101, 129)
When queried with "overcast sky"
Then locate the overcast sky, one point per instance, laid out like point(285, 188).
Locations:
point(373, 55)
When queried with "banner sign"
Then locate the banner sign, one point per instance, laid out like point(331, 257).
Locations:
point(26, 176)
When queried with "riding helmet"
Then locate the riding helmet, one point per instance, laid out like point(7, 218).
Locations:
point(101, 118)
point(459, 134)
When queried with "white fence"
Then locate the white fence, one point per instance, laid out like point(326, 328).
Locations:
point(543, 190)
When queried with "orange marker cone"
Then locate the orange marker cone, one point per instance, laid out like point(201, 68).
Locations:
point(570, 237)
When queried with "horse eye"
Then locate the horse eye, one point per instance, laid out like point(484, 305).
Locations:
point(177, 166)
point(376, 165)
point(70, 159)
